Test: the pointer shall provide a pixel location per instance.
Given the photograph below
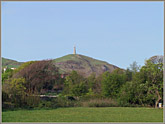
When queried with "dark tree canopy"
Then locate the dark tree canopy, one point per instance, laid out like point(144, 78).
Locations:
point(39, 75)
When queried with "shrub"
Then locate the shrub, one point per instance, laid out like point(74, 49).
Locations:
point(45, 104)
point(58, 102)
point(7, 106)
point(104, 102)
point(32, 101)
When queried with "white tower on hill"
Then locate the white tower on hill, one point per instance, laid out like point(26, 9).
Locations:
point(74, 52)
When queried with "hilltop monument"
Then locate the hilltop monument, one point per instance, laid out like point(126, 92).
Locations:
point(74, 52)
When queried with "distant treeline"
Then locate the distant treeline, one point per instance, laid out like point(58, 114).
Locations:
point(135, 86)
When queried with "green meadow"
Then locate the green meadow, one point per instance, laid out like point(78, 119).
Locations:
point(85, 114)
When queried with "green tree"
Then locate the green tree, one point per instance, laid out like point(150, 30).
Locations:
point(146, 87)
point(16, 91)
point(134, 67)
point(133, 93)
point(26, 64)
point(154, 80)
point(73, 83)
point(127, 94)
point(97, 87)
point(7, 74)
point(111, 83)
point(91, 80)
point(128, 74)
point(79, 89)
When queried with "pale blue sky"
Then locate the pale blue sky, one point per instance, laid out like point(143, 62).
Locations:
point(116, 32)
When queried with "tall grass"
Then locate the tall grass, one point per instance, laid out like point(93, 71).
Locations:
point(103, 102)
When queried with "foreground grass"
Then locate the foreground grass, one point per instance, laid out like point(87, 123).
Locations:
point(84, 114)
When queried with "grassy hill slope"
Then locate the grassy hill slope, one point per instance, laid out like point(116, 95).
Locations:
point(10, 63)
point(82, 64)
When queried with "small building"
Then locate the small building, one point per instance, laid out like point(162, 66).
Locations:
point(4, 69)
point(13, 68)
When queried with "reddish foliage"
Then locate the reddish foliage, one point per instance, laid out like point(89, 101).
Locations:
point(40, 75)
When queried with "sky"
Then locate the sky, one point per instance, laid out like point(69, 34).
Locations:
point(116, 32)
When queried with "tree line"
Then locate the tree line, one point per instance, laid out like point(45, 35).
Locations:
point(135, 86)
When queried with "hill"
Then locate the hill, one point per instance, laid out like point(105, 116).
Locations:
point(82, 64)
point(10, 63)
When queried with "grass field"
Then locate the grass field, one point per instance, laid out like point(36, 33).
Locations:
point(82, 114)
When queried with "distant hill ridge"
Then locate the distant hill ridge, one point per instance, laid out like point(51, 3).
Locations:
point(10, 63)
point(82, 64)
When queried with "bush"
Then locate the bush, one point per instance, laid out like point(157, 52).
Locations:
point(104, 102)
point(31, 101)
point(7, 106)
point(5, 96)
point(45, 104)
point(58, 102)
point(14, 91)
